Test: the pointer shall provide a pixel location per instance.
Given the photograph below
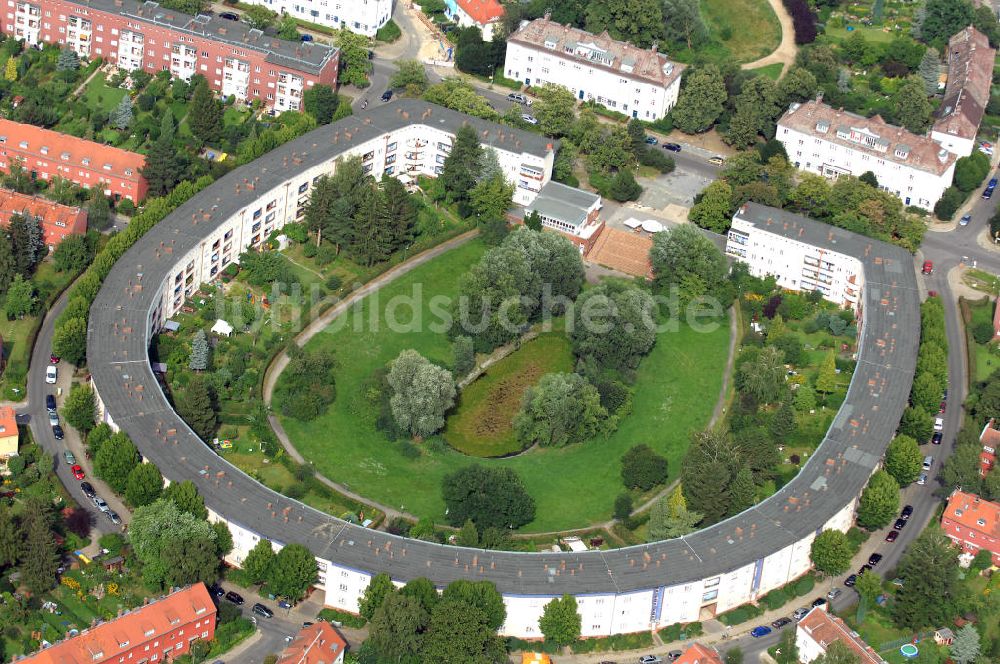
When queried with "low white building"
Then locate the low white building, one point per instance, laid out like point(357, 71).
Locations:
point(364, 17)
point(765, 239)
point(641, 83)
point(970, 78)
point(830, 142)
point(571, 211)
point(483, 14)
point(819, 630)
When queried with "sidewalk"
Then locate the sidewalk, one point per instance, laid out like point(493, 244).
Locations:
point(948, 226)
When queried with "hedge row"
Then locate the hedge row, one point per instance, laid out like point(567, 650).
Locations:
point(615, 642)
point(778, 597)
point(680, 632)
point(740, 614)
point(342, 617)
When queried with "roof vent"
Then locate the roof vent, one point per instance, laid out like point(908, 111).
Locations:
point(980, 522)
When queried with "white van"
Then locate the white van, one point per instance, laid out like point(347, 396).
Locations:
point(928, 462)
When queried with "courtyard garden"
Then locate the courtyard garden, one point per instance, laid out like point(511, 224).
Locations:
point(674, 391)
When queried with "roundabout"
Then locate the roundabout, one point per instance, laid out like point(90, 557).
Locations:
point(624, 590)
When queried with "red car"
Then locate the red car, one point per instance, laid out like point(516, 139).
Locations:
point(892, 535)
point(928, 267)
point(54, 359)
point(78, 472)
point(942, 407)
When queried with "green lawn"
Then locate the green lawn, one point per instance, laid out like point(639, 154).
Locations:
point(99, 94)
point(773, 72)
point(481, 425)
point(872, 34)
point(676, 390)
point(751, 26)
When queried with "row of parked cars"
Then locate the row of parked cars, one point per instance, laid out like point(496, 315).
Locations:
point(237, 599)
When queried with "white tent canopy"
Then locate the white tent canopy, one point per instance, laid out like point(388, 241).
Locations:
point(632, 223)
point(222, 328)
point(651, 226)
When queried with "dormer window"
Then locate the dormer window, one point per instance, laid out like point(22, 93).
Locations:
point(64, 156)
point(980, 522)
point(23, 145)
point(128, 171)
point(902, 152)
point(44, 150)
point(86, 161)
point(822, 126)
point(106, 167)
point(149, 632)
point(843, 133)
point(549, 43)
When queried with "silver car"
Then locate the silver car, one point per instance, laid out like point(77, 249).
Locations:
point(100, 504)
point(53, 419)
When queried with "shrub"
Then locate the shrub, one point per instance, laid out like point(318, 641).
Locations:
point(949, 203)
point(803, 20)
point(982, 332)
point(309, 250)
point(343, 617)
point(740, 614)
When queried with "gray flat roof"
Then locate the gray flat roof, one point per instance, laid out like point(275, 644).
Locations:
point(306, 56)
point(833, 476)
point(562, 202)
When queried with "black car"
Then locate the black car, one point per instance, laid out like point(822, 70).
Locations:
point(50, 403)
point(937, 437)
point(235, 598)
point(57, 431)
point(229, 16)
point(899, 525)
point(88, 489)
point(216, 590)
point(674, 655)
point(907, 511)
point(781, 622)
point(849, 581)
point(819, 601)
point(262, 611)
point(864, 568)
point(387, 95)
point(874, 559)
point(673, 147)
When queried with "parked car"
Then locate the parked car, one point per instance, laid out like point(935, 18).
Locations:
point(518, 98)
point(306, 38)
point(262, 610)
point(922, 480)
point(651, 140)
point(781, 622)
point(50, 403)
point(387, 95)
point(891, 536)
point(800, 613)
point(51, 374)
point(113, 517)
point(215, 590)
point(674, 655)
point(77, 471)
point(966, 218)
point(864, 568)
point(530, 119)
point(834, 594)
point(928, 267)
point(88, 489)
point(57, 432)
point(906, 513)
point(53, 418)
point(874, 559)
point(229, 16)
point(937, 438)
point(899, 525)
point(69, 457)
point(717, 160)
point(928, 462)
point(760, 631)
point(939, 424)
point(650, 659)
point(100, 504)
point(819, 601)
point(850, 581)
point(673, 147)
point(53, 358)
point(235, 598)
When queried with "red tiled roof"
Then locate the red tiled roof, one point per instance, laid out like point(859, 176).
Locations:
point(825, 628)
point(699, 654)
point(481, 11)
point(8, 423)
point(57, 220)
point(76, 150)
point(315, 644)
point(104, 643)
point(990, 436)
point(976, 514)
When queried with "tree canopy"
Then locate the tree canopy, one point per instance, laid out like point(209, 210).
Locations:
point(489, 496)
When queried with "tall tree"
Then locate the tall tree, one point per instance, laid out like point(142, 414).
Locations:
point(461, 166)
point(79, 409)
point(942, 19)
point(965, 648)
point(930, 70)
point(826, 381)
point(742, 491)
point(115, 460)
point(683, 253)
point(205, 115)
point(144, 485)
point(39, 551)
point(293, 572)
point(903, 460)
point(636, 21)
point(879, 501)
point(701, 100)
point(198, 360)
point(930, 589)
point(458, 633)
point(184, 495)
point(554, 109)
point(353, 57)
point(8, 264)
point(564, 408)
point(375, 594)
point(400, 210)
point(707, 472)
point(490, 496)
point(68, 60)
point(683, 23)
point(614, 325)
point(121, 117)
point(838, 653)
point(321, 102)
point(21, 298)
point(911, 106)
point(481, 594)
point(198, 408)
point(162, 168)
point(560, 621)
point(27, 242)
point(10, 537)
point(373, 228)
point(831, 552)
point(396, 629)
point(258, 561)
point(422, 393)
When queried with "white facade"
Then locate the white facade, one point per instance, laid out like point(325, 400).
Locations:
point(594, 68)
point(831, 143)
point(235, 78)
point(27, 22)
point(364, 17)
point(796, 265)
point(959, 146)
point(130, 50)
